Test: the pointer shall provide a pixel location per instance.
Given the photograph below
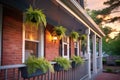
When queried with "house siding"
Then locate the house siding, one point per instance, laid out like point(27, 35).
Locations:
point(72, 47)
point(12, 37)
point(51, 47)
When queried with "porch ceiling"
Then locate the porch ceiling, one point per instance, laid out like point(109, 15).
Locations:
point(56, 14)
point(81, 13)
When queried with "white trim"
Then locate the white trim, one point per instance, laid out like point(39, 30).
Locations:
point(41, 43)
point(78, 47)
point(1, 13)
point(88, 52)
point(23, 45)
point(32, 40)
point(86, 15)
point(94, 54)
point(100, 53)
point(75, 15)
point(65, 43)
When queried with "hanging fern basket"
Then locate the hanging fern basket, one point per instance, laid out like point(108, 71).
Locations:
point(34, 17)
point(59, 31)
point(74, 35)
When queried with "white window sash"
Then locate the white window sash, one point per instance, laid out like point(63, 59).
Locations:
point(65, 43)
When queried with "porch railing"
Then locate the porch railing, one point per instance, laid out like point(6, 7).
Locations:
point(11, 72)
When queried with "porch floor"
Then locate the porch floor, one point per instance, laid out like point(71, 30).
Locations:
point(108, 76)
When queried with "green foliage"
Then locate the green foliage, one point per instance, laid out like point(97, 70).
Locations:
point(35, 17)
point(112, 46)
point(77, 59)
point(117, 62)
point(63, 62)
point(107, 30)
point(34, 64)
point(104, 61)
point(109, 70)
point(83, 37)
point(112, 4)
point(74, 35)
point(93, 14)
point(83, 42)
point(59, 31)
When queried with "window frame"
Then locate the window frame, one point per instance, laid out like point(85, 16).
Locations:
point(77, 46)
point(65, 43)
point(40, 42)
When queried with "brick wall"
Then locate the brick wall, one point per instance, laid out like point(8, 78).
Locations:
point(12, 37)
point(51, 48)
point(72, 47)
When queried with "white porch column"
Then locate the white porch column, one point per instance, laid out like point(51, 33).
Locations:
point(100, 53)
point(88, 52)
point(94, 54)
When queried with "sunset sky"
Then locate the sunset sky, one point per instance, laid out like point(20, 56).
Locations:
point(97, 5)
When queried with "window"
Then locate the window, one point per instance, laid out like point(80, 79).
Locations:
point(76, 48)
point(31, 40)
point(65, 47)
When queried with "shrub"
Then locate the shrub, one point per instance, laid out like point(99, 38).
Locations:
point(34, 64)
point(77, 59)
point(117, 62)
point(109, 70)
point(104, 61)
point(63, 62)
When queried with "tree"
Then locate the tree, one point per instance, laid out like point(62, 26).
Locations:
point(110, 46)
point(115, 45)
point(113, 7)
point(93, 14)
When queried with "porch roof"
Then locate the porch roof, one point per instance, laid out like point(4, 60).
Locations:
point(75, 9)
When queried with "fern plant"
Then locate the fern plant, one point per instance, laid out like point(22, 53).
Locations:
point(63, 62)
point(77, 59)
point(74, 35)
point(35, 17)
point(59, 31)
point(34, 64)
point(83, 37)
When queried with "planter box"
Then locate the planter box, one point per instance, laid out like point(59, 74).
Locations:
point(74, 65)
point(26, 75)
point(57, 67)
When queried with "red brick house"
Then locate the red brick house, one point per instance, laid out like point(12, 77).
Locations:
point(18, 40)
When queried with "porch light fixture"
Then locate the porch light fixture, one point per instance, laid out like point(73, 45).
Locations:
point(54, 38)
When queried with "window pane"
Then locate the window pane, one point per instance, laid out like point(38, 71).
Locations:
point(31, 48)
point(65, 39)
point(65, 50)
point(31, 32)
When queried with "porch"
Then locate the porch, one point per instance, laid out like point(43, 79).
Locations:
point(12, 72)
point(58, 12)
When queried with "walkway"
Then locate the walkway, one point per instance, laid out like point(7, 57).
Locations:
point(108, 76)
